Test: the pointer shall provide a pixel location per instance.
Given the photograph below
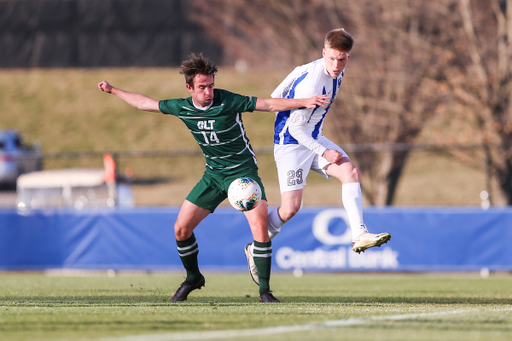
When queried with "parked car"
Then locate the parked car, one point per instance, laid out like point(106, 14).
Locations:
point(16, 157)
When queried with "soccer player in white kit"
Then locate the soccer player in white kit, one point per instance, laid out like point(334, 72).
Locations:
point(300, 146)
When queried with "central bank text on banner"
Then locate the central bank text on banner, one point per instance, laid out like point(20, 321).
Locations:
point(316, 239)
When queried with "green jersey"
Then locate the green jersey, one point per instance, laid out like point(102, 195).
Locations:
point(218, 129)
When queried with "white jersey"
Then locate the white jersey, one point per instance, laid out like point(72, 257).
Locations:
point(304, 126)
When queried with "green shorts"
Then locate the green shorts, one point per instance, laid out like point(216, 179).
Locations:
point(212, 189)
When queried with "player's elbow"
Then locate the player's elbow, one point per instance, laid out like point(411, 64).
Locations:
point(297, 131)
point(271, 108)
point(148, 106)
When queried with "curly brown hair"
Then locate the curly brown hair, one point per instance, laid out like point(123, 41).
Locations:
point(197, 64)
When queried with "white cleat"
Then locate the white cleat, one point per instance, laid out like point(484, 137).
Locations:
point(253, 271)
point(368, 240)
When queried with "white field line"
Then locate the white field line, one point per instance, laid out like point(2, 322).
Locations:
point(222, 334)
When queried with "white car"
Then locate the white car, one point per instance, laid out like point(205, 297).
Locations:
point(16, 157)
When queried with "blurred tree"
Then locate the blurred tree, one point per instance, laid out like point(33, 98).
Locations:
point(264, 32)
point(478, 39)
point(392, 85)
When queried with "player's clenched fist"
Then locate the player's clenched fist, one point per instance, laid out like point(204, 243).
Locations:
point(332, 155)
point(104, 86)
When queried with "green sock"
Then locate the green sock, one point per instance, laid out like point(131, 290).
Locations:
point(188, 250)
point(263, 260)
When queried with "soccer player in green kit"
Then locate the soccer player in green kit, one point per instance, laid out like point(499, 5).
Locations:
point(214, 118)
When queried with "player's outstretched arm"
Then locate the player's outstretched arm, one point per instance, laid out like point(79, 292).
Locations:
point(280, 104)
point(139, 101)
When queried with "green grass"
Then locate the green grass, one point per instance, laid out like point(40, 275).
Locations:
point(64, 110)
point(38, 307)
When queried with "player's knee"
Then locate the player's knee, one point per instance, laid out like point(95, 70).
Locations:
point(288, 213)
point(355, 174)
point(181, 232)
point(350, 174)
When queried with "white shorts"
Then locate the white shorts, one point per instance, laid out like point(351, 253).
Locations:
point(294, 161)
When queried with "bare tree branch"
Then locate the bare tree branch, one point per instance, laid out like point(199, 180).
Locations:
point(405, 68)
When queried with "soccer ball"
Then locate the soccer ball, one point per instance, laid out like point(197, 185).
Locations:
point(244, 194)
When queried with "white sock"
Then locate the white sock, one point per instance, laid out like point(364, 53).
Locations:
point(274, 224)
point(353, 203)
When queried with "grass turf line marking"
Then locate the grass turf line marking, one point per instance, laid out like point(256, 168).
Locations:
point(220, 334)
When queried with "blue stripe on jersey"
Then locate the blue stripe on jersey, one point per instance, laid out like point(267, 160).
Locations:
point(283, 116)
point(279, 125)
point(312, 112)
point(291, 93)
point(316, 131)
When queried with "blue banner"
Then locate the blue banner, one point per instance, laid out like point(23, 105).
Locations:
point(316, 239)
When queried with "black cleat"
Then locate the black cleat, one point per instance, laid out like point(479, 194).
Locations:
point(185, 289)
point(267, 297)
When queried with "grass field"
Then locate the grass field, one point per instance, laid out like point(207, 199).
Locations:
point(35, 306)
point(64, 110)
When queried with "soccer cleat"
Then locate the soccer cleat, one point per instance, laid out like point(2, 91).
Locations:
point(253, 270)
point(368, 240)
point(267, 297)
point(185, 289)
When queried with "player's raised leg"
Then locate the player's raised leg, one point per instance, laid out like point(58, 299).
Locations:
point(261, 250)
point(348, 174)
point(189, 217)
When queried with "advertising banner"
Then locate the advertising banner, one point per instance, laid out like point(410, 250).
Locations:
point(316, 239)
